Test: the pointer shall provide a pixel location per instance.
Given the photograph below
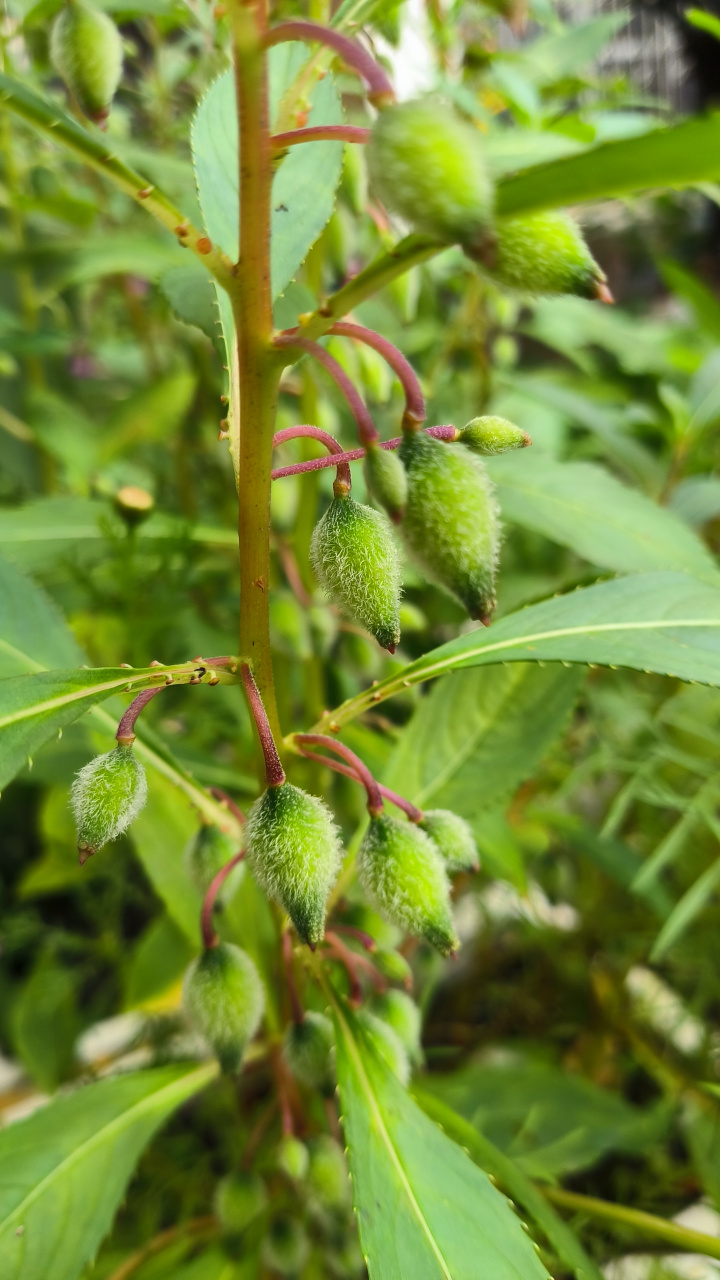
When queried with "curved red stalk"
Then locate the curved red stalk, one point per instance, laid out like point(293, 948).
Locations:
point(125, 731)
point(316, 433)
point(375, 803)
point(274, 772)
point(407, 806)
point(229, 803)
point(415, 413)
point(367, 430)
point(320, 133)
point(353, 54)
point(447, 432)
point(209, 936)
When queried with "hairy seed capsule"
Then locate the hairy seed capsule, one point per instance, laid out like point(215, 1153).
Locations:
point(205, 854)
point(107, 794)
point(401, 1014)
point(293, 1158)
point(294, 850)
point(286, 1246)
point(451, 524)
point(403, 872)
point(544, 253)
point(240, 1198)
point(86, 49)
point(490, 435)
point(308, 1047)
point(386, 480)
point(454, 838)
point(224, 998)
point(387, 1043)
point(358, 563)
point(428, 165)
point(328, 1180)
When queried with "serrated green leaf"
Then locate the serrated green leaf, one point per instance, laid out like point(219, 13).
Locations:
point(63, 1172)
point(423, 1208)
point(582, 506)
point(663, 622)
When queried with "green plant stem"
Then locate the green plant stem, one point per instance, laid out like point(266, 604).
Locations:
point(672, 1232)
point(258, 365)
point(195, 1226)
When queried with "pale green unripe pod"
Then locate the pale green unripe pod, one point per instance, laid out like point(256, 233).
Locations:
point(490, 435)
point(403, 872)
point(543, 253)
point(394, 966)
point(328, 1180)
point(308, 1048)
point(286, 1247)
point(454, 838)
point(86, 49)
point(357, 561)
point(206, 853)
point(107, 794)
point(224, 999)
point(451, 524)
point(240, 1198)
point(295, 853)
point(428, 165)
point(387, 1043)
point(386, 480)
point(403, 1015)
point(293, 1158)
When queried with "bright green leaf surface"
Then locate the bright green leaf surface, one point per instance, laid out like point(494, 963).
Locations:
point(424, 1209)
point(582, 506)
point(160, 833)
point(30, 624)
point(63, 1172)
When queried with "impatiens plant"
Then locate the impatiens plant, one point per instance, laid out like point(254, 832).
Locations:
point(327, 1008)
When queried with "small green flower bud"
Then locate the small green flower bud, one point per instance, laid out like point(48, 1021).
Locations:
point(286, 1247)
point(393, 966)
point(454, 838)
point(240, 1198)
point(491, 435)
point(388, 1044)
point(293, 1158)
point(386, 480)
point(294, 850)
point(107, 795)
point(224, 998)
point(544, 253)
point(403, 1016)
point(403, 872)
point(451, 524)
point(358, 563)
point(428, 165)
point(205, 854)
point(86, 49)
point(308, 1047)
point(328, 1180)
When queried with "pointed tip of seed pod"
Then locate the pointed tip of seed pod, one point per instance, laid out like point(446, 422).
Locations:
point(84, 852)
point(526, 440)
point(602, 292)
point(313, 946)
point(390, 648)
point(486, 619)
point(397, 516)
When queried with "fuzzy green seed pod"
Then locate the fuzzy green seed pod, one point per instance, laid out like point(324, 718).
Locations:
point(293, 1158)
point(388, 1044)
point(328, 1180)
point(454, 838)
point(286, 1246)
point(86, 49)
point(393, 966)
point(295, 853)
point(403, 872)
point(428, 165)
point(308, 1047)
point(224, 999)
point(451, 524)
point(386, 480)
point(544, 253)
point(358, 563)
point(240, 1198)
point(490, 435)
point(107, 794)
point(205, 854)
point(401, 1014)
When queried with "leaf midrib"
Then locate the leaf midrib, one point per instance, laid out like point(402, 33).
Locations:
point(52, 704)
point(387, 1140)
point(146, 1105)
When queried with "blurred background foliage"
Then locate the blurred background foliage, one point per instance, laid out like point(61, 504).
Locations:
point(586, 1003)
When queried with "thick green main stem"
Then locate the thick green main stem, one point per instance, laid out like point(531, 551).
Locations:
point(258, 368)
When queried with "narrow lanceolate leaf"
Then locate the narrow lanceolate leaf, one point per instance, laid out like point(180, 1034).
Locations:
point(424, 1209)
point(663, 622)
point(516, 1184)
point(63, 1171)
point(34, 707)
point(582, 506)
point(678, 156)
